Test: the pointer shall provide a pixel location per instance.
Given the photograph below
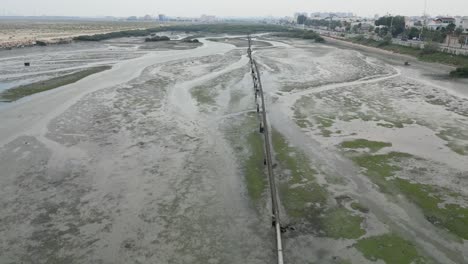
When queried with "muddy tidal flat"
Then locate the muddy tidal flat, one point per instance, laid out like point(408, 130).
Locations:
point(159, 160)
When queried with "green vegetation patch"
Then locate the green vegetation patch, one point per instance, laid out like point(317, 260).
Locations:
point(304, 199)
point(389, 248)
point(379, 167)
point(204, 95)
point(302, 34)
point(460, 72)
point(451, 217)
point(454, 136)
point(359, 207)
point(340, 223)
point(222, 28)
point(254, 172)
point(16, 93)
point(248, 145)
point(382, 168)
point(323, 123)
point(301, 119)
point(373, 146)
point(301, 195)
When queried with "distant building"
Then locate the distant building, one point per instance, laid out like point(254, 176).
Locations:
point(147, 17)
point(132, 18)
point(464, 23)
point(323, 15)
point(440, 22)
point(446, 20)
point(162, 17)
point(207, 18)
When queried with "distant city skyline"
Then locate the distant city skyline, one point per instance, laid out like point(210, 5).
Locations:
point(232, 8)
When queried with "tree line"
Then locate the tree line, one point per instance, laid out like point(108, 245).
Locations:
point(393, 26)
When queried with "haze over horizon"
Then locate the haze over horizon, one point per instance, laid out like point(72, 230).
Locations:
point(238, 8)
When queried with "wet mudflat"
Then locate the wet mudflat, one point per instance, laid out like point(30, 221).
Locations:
point(372, 156)
point(159, 160)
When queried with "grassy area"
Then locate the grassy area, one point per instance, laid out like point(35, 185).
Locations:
point(381, 170)
point(389, 248)
point(460, 72)
point(455, 138)
point(248, 145)
point(379, 167)
point(373, 146)
point(254, 174)
point(340, 223)
point(324, 123)
point(222, 28)
point(203, 95)
point(359, 207)
point(306, 200)
point(301, 119)
point(301, 195)
point(439, 57)
point(451, 217)
point(16, 93)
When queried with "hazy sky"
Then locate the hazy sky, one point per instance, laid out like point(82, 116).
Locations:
point(228, 7)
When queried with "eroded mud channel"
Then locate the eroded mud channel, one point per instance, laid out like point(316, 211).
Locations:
point(159, 159)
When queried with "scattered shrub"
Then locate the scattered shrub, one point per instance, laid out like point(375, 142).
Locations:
point(303, 34)
point(191, 40)
point(460, 72)
point(430, 48)
point(157, 38)
point(211, 28)
point(387, 40)
point(41, 43)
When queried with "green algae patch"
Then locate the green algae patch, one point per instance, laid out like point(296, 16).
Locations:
point(301, 196)
point(301, 119)
point(19, 92)
point(359, 207)
point(254, 173)
point(242, 133)
point(389, 248)
point(380, 167)
point(451, 217)
point(203, 95)
point(340, 223)
point(306, 200)
point(455, 138)
point(381, 170)
point(373, 146)
point(323, 124)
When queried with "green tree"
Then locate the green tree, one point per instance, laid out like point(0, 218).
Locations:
point(450, 28)
point(430, 48)
point(413, 33)
point(434, 35)
point(371, 29)
point(458, 31)
point(323, 23)
point(395, 23)
point(381, 32)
